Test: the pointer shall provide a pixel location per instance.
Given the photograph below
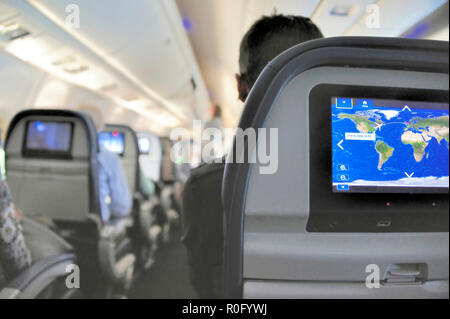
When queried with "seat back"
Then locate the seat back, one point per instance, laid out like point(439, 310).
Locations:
point(51, 159)
point(2, 277)
point(150, 155)
point(167, 167)
point(294, 230)
point(202, 222)
point(129, 155)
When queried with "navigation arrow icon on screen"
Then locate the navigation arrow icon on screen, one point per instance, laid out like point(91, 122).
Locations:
point(339, 144)
point(406, 108)
point(409, 175)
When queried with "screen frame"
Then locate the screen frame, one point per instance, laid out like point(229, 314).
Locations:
point(365, 212)
point(121, 154)
point(47, 154)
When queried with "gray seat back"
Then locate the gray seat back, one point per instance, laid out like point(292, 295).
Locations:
point(61, 188)
point(130, 156)
point(167, 167)
point(151, 161)
point(279, 241)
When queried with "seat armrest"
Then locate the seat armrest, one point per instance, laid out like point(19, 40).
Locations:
point(31, 282)
point(116, 227)
point(138, 196)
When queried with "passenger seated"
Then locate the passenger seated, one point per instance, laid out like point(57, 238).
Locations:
point(202, 210)
point(116, 201)
point(14, 253)
point(148, 187)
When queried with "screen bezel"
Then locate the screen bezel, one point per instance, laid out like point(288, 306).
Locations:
point(47, 154)
point(111, 132)
point(365, 212)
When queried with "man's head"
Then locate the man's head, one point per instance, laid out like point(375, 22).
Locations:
point(265, 40)
point(95, 113)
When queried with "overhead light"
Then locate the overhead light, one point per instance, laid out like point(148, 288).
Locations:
point(27, 49)
point(76, 68)
point(2, 27)
point(341, 10)
point(187, 24)
point(13, 31)
point(130, 98)
point(108, 87)
point(64, 60)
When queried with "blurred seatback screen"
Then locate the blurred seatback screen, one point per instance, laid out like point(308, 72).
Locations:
point(48, 139)
point(112, 141)
point(144, 145)
point(389, 146)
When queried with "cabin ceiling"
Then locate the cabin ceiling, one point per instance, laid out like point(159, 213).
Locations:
point(134, 52)
point(217, 26)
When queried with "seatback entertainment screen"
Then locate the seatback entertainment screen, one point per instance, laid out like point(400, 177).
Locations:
point(389, 146)
point(48, 138)
point(112, 141)
point(144, 145)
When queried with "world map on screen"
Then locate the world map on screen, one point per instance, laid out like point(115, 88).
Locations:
point(385, 143)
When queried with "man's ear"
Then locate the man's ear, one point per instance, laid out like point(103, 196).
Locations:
point(242, 88)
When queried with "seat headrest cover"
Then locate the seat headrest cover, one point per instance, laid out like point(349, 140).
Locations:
point(86, 119)
point(435, 48)
point(91, 133)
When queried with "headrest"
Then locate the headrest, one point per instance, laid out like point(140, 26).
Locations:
point(129, 134)
point(43, 113)
point(343, 51)
point(17, 134)
point(154, 148)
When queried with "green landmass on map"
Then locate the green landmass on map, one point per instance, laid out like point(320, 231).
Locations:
point(432, 127)
point(385, 151)
point(363, 124)
point(416, 140)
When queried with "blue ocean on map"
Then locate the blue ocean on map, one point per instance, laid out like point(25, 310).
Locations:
point(359, 160)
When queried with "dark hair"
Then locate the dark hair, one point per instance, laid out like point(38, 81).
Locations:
point(270, 36)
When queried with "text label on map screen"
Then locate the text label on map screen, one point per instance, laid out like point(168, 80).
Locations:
point(389, 145)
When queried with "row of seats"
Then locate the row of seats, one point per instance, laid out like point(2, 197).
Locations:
point(58, 192)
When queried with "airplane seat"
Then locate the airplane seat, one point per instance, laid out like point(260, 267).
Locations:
point(145, 206)
point(51, 255)
point(168, 183)
point(51, 160)
point(150, 158)
point(308, 226)
point(2, 277)
point(202, 222)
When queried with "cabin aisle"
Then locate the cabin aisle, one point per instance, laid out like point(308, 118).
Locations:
point(168, 278)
